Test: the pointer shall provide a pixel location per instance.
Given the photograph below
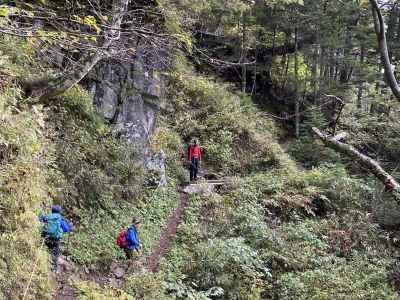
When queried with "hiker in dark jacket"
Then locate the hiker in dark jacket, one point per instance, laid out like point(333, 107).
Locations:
point(54, 228)
point(132, 238)
point(194, 157)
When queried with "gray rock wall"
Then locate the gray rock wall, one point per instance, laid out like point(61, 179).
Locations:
point(129, 95)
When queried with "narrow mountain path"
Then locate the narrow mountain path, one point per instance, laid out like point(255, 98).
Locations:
point(168, 234)
point(66, 291)
point(115, 277)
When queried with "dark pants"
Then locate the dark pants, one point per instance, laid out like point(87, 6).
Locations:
point(194, 167)
point(54, 248)
point(128, 253)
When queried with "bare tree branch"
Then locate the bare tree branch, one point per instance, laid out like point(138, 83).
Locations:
point(61, 84)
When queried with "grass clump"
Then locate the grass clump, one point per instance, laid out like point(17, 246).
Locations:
point(22, 192)
point(328, 264)
point(89, 290)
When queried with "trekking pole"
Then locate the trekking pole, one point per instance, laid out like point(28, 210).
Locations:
point(33, 272)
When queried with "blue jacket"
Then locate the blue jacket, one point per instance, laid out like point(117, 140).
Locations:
point(132, 238)
point(64, 224)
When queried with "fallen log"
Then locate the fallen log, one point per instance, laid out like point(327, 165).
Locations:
point(334, 142)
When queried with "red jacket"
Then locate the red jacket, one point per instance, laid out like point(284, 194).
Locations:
point(194, 151)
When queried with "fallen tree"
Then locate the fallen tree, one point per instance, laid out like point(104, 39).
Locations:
point(334, 142)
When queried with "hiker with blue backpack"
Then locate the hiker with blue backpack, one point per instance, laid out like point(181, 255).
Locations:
point(53, 229)
point(128, 239)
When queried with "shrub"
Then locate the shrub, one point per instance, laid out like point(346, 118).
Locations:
point(222, 120)
point(92, 169)
point(93, 244)
point(23, 190)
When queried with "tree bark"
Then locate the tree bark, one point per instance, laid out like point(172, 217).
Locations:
point(45, 91)
point(361, 80)
point(296, 74)
point(333, 142)
point(379, 25)
point(244, 54)
point(321, 69)
point(314, 73)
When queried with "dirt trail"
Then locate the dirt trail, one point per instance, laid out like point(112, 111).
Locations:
point(167, 235)
point(67, 292)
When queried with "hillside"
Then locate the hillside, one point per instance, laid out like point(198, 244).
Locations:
point(97, 110)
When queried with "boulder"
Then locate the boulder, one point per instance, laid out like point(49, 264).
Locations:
point(157, 163)
point(203, 189)
point(117, 270)
point(64, 265)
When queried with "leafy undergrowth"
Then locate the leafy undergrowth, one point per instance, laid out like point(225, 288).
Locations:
point(94, 243)
point(281, 236)
point(23, 190)
point(90, 290)
point(226, 123)
point(66, 150)
point(99, 181)
point(276, 233)
point(279, 232)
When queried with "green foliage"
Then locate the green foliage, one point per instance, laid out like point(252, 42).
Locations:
point(90, 290)
point(23, 185)
point(312, 153)
point(21, 194)
point(213, 251)
point(226, 130)
point(315, 272)
point(16, 57)
point(303, 72)
point(308, 150)
point(360, 279)
point(92, 168)
point(148, 286)
point(93, 244)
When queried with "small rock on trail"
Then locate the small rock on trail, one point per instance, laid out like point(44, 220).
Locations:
point(118, 272)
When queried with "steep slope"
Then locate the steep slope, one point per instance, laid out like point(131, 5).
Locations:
point(275, 232)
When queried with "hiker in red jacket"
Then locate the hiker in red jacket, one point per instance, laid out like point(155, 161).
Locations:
point(194, 157)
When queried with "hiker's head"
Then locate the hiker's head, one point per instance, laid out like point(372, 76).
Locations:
point(194, 142)
point(56, 209)
point(136, 222)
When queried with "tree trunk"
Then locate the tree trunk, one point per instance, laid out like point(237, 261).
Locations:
point(344, 70)
point(321, 69)
point(45, 92)
point(244, 54)
point(361, 80)
point(391, 27)
point(379, 25)
point(334, 142)
point(314, 73)
point(297, 100)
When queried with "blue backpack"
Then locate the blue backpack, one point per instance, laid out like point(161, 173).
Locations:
point(54, 229)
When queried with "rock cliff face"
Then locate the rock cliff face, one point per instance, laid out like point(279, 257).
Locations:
point(129, 95)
